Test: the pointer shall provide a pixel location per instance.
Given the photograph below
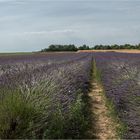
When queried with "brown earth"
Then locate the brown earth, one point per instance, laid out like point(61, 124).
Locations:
point(103, 125)
point(122, 51)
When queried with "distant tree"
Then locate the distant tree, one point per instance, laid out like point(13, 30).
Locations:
point(84, 47)
point(138, 46)
point(125, 46)
point(115, 46)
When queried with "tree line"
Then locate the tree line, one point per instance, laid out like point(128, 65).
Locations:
point(114, 47)
point(72, 47)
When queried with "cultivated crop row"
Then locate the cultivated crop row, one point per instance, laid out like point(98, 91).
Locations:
point(120, 75)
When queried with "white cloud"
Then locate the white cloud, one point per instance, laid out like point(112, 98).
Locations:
point(44, 33)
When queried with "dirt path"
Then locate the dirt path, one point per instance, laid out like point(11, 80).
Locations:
point(103, 125)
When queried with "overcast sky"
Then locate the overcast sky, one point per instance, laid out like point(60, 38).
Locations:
point(29, 25)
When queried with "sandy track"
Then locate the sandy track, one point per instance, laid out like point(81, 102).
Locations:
point(103, 125)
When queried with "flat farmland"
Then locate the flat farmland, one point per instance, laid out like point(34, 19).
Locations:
point(56, 95)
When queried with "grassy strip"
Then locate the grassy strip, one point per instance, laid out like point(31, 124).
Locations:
point(121, 127)
point(87, 110)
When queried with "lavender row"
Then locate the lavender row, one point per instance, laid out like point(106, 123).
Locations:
point(120, 75)
point(13, 64)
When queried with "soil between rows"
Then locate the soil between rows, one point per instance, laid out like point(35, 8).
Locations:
point(103, 126)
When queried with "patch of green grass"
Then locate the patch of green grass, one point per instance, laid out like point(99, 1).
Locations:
point(121, 127)
point(135, 99)
point(15, 116)
point(96, 73)
point(89, 117)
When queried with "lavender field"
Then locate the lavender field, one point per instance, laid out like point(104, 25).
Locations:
point(43, 95)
